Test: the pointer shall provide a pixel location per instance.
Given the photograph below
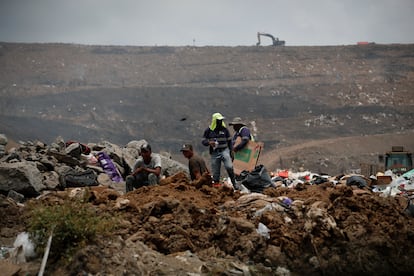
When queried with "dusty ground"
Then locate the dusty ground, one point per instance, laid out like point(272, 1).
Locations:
point(180, 227)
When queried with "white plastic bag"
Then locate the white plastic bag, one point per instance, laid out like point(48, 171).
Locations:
point(27, 246)
point(263, 230)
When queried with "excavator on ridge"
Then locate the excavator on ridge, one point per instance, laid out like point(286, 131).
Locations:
point(275, 41)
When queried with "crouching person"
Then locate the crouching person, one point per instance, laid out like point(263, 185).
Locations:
point(146, 171)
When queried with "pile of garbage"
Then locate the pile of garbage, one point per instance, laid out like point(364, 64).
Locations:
point(384, 183)
point(303, 223)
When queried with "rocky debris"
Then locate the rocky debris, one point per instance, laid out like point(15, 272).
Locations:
point(33, 167)
point(315, 225)
point(3, 143)
point(22, 177)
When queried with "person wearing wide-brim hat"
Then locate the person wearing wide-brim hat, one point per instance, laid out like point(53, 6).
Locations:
point(242, 134)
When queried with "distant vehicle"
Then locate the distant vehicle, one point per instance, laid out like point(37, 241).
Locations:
point(275, 41)
point(365, 43)
point(397, 160)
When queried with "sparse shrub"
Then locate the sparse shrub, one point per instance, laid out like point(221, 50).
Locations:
point(74, 224)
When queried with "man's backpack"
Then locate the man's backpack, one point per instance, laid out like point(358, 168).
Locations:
point(78, 179)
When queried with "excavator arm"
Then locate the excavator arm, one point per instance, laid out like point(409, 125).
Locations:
point(275, 41)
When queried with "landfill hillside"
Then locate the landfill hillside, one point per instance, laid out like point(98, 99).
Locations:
point(322, 108)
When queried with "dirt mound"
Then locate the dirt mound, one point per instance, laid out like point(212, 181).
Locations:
point(180, 227)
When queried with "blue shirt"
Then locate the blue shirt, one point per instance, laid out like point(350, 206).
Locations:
point(244, 134)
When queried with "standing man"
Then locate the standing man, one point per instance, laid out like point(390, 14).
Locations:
point(146, 171)
point(196, 165)
point(241, 135)
point(217, 138)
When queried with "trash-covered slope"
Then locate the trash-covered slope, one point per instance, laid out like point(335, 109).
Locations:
point(180, 227)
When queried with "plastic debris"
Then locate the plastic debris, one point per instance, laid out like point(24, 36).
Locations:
point(263, 230)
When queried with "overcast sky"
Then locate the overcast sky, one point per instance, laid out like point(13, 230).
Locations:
point(206, 22)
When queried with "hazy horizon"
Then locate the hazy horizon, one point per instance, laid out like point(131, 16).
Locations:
point(206, 23)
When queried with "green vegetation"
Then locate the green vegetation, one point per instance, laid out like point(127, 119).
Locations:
point(74, 224)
